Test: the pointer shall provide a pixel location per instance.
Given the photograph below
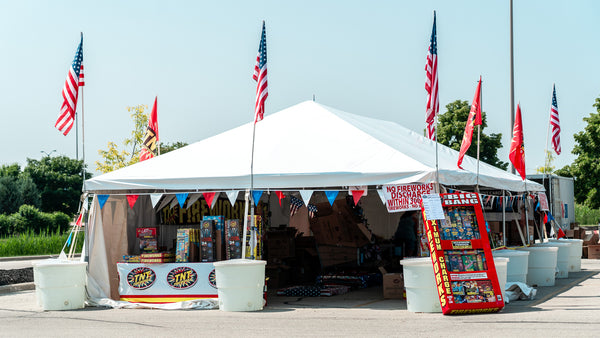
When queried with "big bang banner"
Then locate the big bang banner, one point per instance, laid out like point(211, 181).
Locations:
point(404, 197)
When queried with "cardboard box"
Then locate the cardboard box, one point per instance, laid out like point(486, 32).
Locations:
point(182, 250)
point(233, 239)
point(207, 241)
point(593, 251)
point(393, 286)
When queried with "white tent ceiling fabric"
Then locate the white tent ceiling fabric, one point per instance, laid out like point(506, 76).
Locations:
point(308, 145)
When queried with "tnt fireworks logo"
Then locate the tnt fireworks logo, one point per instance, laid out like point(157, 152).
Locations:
point(182, 277)
point(141, 278)
point(212, 279)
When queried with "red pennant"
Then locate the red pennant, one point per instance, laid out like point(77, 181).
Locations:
point(356, 195)
point(545, 218)
point(279, 195)
point(560, 234)
point(517, 151)
point(209, 196)
point(131, 199)
point(79, 220)
point(473, 120)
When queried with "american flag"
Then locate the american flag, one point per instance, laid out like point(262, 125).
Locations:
point(66, 119)
point(81, 77)
point(312, 210)
point(295, 205)
point(260, 76)
point(431, 85)
point(555, 123)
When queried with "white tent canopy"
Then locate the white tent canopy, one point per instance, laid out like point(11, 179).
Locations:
point(306, 146)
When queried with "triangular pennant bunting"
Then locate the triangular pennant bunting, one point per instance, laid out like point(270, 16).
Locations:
point(192, 198)
point(279, 196)
point(256, 195)
point(209, 196)
point(155, 198)
point(215, 199)
point(306, 195)
point(131, 199)
point(356, 195)
point(181, 198)
point(102, 200)
point(332, 194)
point(232, 196)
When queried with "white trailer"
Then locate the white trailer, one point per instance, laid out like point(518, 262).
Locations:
point(561, 197)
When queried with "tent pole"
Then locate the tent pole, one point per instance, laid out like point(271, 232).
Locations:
point(503, 220)
point(245, 231)
point(479, 131)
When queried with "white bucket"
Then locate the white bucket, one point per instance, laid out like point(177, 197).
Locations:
point(517, 266)
point(541, 265)
point(240, 284)
point(419, 282)
point(562, 258)
point(60, 284)
point(501, 264)
point(575, 252)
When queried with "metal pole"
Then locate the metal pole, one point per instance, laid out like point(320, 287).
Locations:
point(479, 127)
point(503, 220)
point(76, 136)
point(82, 142)
point(512, 80)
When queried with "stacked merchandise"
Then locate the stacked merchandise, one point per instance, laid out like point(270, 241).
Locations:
point(147, 239)
point(459, 223)
point(254, 241)
point(465, 260)
point(161, 257)
point(473, 291)
point(352, 280)
point(219, 235)
point(233, 239)
point(207, 241)
point(187, 245)
point(313, 291)
point(131, 259)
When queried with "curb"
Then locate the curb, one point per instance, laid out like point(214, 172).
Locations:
point(5, 289)
point(25, 258)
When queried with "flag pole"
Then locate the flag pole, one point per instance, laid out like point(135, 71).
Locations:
point(480, 103)
point(82, 142)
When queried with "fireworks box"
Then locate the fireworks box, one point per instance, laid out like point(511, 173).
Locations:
point(145, 232)
point(131, 258)
point(219, 234)
point(159, 257)
point(148, 244)
point(233, 239)
point(182, 250)
point(207, 241)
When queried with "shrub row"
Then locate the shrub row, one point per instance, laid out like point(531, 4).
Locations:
point(585, 215)
point(30, 244)
point(30, 219)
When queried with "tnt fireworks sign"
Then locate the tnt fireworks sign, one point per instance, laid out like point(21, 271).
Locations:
point(405, 197)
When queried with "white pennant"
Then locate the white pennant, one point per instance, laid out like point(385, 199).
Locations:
point(214, 201)
point(306, 195)
point(174, 202)
point(155, 198)
point(166, 201)
point(232, 195)
point(381, 196)
point(193, 198)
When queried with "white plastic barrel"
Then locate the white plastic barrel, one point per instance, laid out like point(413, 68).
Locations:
point(240, 284)
point(517, 266)
point(60, 284)
point(562, 257)
point(501, 264)
point(541, 265)
point(575, 252)
point(419, 282)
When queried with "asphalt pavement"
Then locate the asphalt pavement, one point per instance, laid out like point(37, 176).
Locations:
point(570, 308)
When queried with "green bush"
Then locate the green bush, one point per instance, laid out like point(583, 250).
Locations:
point(585, 215)
point(29, 218)
point(29, 243)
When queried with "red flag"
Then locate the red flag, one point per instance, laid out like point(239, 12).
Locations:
point(131, 199)
point(209, 196)
point(473, 120)
point(431, 84)
point(545, 218)
point(70, 91)
point(560, 234)
point(517, 151)
point(279, 195)
point(356, 195)
point(150, 141)
point(79, 221)
point(260, 76)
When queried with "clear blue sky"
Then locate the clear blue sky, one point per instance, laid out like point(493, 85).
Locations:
point(366, 58)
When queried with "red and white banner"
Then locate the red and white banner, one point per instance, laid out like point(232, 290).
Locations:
point(403, 197)
point(543, 201)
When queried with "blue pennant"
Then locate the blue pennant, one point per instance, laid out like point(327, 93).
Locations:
point(331, 195)
point(69, 239)
point(102, 200)
point(256, 195)
point(181, 198)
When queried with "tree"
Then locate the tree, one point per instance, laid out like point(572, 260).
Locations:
point(451, 127)
point(10, 197)
point(115, 159)
point(548, 168)
point(59, 179)
point(13, 170)
point(586, 167)
point(16, 189)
